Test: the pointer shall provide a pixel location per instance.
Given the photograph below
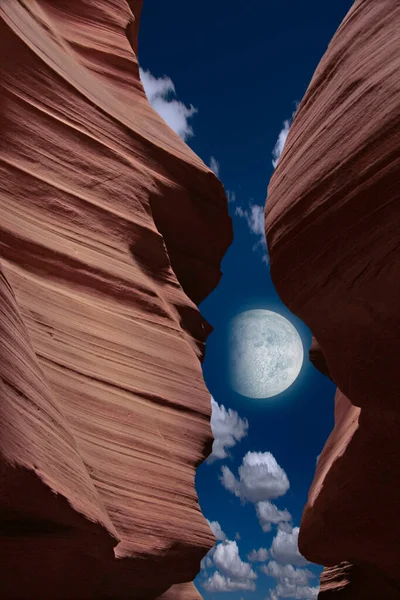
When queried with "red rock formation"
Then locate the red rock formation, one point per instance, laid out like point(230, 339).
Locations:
point(347, 581)
point(333, 231)
point(184, 591)
point(111, 229)
point(317, 358)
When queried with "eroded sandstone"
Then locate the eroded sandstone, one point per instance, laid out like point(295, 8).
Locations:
point(333, 232)
point(111, 230)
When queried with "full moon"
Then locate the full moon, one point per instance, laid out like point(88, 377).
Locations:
point(265, 353)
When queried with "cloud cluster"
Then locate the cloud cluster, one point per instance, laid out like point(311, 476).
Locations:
point(227, 428)
point(289, 590)
point(260, 478)
point(287, 574)
point(291, 582)
point(268, 514)
point(160, 92)
point(232, 573)
point(220, 583)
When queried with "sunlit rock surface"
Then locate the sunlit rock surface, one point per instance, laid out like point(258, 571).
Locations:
point(183, 591)
point(333, 232)
point(111, 231)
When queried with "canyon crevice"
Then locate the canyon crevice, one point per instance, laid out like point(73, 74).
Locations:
point(333, 233)
point(111, 232)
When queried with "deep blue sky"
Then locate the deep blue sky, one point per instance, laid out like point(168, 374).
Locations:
point(244, 66)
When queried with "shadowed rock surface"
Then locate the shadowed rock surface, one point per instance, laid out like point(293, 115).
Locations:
point(333, 232)
point(364, 582)
point(111, 231)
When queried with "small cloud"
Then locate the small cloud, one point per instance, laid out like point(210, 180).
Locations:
point(217, 531)
point(160, 92)
point(214, 166)
point(228, 429)
point(231, 196)
point(278, 148)
point(237, 536)
point(281, 141)
point(260, 478)
point(259, 555)
point(268, 514)
point(285, 549)
point(254, 217)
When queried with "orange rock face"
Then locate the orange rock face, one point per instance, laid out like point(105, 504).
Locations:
point(111, 231)
point(333, 231)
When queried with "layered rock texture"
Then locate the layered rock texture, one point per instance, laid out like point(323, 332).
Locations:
point(111, 231)
point(333, 232)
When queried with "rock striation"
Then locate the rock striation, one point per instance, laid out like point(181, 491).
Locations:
point(333, 232)
point(111, 232)
point(183, 591)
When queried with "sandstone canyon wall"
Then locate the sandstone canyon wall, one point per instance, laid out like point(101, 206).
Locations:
point(333, 232)
point(111, 231)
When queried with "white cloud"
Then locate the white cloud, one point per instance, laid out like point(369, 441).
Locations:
point(214, 165)
point(287, 527)
point(231, 196)
point(233, 574)
point(294, 591)
point(285, 549)
point(160, 92)
point(220, 583)
point(260, 478)
point(281, 141)
point(268, 514)
point(237, 536)
point(217, 531)
point(287, 574)
point(278, 149)
point(228, 429)
point(227, 560)
point(254, 217)
point(259, 555)
point(207, 561)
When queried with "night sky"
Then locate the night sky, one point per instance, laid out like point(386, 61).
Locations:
point(243, 67)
